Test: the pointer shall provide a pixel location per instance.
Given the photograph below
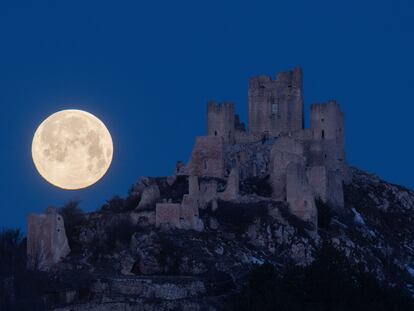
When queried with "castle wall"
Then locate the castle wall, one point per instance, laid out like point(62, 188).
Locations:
point(189, 209)
point(276, 106)
point(318, 179)
point(180, 216)
point(335, 195)
point(252, 159)
point(47, 243)
point(280, 162)
point(276, 140)
point(207, 157)
point(168, 213)
point(299, 194)
point(288, 144)
point(208, 192)
point(193, 186)
point(285, 150)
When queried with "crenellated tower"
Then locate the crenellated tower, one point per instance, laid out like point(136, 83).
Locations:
point(276, 106)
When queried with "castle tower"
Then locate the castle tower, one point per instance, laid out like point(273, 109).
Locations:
point(326, 160)
point(221, 121)
point(276, 106)
point(327, 130)
point(327, 121)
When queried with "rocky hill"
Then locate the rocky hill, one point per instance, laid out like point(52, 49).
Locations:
point(120, 260)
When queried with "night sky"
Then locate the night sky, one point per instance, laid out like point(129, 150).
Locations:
point(148, 69)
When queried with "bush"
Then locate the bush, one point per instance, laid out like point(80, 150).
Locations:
point(257, 185)
point(12, 251)
point(119, 205)
point(324, 214)
point(120, 233)
point(115, 204)
point(20, 289)
point(331, 282)
point(238, 216)
point(73, 217)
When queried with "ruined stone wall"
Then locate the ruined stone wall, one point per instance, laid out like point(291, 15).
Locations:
point(318, 179)
point(326, 149)
point(208, 192)
point(182, 215)
point(207, 157)
point(189, 209)
point(276, 106)
point(168, 213)
point(47, 243)
point(232, 188)
point(299, 194)
point(285, 150)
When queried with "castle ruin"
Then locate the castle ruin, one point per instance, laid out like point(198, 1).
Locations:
point(47, 243)
point(304, 164)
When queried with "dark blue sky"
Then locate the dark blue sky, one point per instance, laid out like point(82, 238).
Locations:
point(147, 70)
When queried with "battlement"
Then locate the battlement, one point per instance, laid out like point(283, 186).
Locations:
point(225, 107)
point(331, 104)
point(290, 78)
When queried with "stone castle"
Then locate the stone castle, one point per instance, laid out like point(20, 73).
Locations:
point(301, 165)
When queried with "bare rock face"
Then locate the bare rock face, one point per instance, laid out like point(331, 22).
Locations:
point(149, 196)
point(47, 243)
point(147, 249)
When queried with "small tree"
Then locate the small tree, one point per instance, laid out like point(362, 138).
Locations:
point(12, 252)
point(73, 217)
point(324, 213)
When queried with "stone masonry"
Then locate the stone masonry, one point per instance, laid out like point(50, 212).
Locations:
point(47, 243)
point(303, 163)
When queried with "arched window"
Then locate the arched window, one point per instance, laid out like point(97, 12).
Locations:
point(323, 134)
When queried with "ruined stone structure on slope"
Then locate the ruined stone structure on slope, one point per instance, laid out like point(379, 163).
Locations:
point(303, 163)
point(47, 243)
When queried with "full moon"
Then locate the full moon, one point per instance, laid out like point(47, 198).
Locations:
point(72, 149)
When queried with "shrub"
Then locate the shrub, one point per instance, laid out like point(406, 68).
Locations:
point(115, 204)
point(239, 216)
point(331, 282)
point(257, 185)
point(12, 251)
point(20, 289)
point(119, 205)
point(324, 213)
point(73, 216)
point(120, 233)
